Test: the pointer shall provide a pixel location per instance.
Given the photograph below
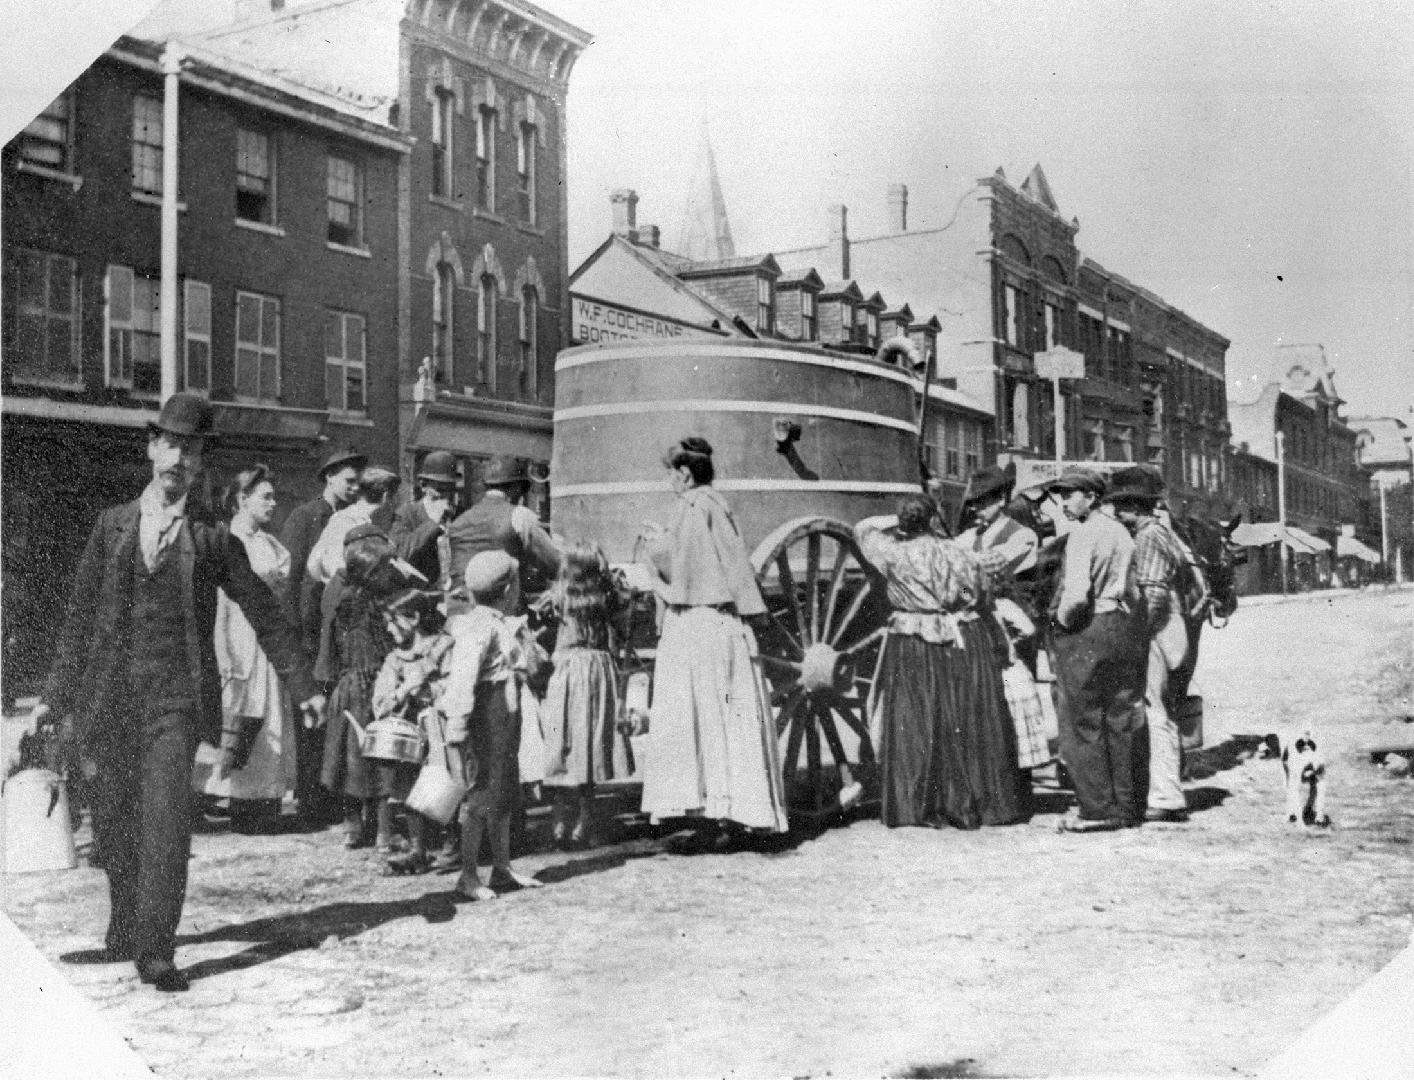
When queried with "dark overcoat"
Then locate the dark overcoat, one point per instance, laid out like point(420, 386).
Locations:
point(88, 681)
point(299, 535)
point(414, 538)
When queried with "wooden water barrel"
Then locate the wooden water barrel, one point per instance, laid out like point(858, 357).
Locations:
point(617, 409)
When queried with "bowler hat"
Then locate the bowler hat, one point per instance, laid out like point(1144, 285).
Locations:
point(1138, 484)
point(1078, 478)
point(440, 467)
point(184, 414)
point(986, 484)
point(502, 472)
point(364, 532)
point(343, 458)
point(489, 573)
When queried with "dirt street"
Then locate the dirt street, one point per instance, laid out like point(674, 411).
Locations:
point(1198, 948)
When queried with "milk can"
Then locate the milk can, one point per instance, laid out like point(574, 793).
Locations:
point(37, 833)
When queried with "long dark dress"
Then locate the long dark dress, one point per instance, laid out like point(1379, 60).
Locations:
point(947, 746)
point(354, 646)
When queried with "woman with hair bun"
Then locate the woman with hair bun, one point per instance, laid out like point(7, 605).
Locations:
point(712, 751)
point(257, 755)
point(947, 746)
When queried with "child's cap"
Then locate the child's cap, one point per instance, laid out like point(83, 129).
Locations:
point(489, 574)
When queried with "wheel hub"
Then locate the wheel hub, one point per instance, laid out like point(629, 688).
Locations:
point(818, 667)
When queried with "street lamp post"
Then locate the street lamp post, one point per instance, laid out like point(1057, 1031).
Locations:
point(171, 69)
point(1281, 503)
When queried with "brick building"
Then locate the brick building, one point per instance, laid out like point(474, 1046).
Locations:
point(1007, 281)
point(480, 88)
point(287, 317)
point(1294, 421)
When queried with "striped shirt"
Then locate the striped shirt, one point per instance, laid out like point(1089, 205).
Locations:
point(1160, 567)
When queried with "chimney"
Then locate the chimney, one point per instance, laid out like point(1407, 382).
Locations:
point(898, 208)
point(839, 235)
point(648, 236)
point(625, 204)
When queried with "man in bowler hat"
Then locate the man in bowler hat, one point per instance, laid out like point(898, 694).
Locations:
point(419, 529)
point(498, 522)
point(340, 473)
point(135, 687)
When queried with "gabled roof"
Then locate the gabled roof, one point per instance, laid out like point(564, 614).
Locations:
point(1383, 440)
point(690, 304)
point(1038, 187)
point(842, 288)
point(808, 276)
point(737, 264)
point(903, 315)
point(1304, 371)
point(874, 301)
point(931, 323)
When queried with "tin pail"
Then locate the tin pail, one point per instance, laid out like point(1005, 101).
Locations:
point(37, 833)
point(393, 738)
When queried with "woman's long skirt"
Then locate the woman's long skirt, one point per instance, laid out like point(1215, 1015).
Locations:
point(579, 719)
point(711, 749)
point(345, 771)
point(948, 747)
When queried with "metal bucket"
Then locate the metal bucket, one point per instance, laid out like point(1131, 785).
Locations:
point(392, 738)
point(37, 832)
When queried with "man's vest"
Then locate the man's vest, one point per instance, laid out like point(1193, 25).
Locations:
point(159, 670)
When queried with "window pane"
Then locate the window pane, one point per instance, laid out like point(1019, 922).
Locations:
point(334, 386)
point(356, 402)
point(247, 371)
point(270, 324)
point(33, 274)
point(28, 358)
point(198, 365)
point(198, 307)
point(333, 334)
point(353, 337)
point(248, 319)
point(269, 375)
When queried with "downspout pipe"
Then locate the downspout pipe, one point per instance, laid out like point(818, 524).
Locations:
point(171, 68)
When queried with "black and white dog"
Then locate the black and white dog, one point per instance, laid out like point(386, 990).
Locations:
point(1305, 769)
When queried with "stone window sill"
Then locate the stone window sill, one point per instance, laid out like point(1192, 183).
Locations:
point(149, 199)
point(260, 227)
point(344, 249)
point(39, 382)
point(446, 203)
point(47, 173)
point(350, 419)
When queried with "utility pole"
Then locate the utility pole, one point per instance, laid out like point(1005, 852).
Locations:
point(171, 68)
point(1384, 528)
point(1281, 503)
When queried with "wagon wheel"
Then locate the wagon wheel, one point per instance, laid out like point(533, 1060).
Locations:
point(819, 646)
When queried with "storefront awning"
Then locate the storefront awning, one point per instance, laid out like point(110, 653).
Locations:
point(1349, 547)
point(1312, 543)
point(1261, 533)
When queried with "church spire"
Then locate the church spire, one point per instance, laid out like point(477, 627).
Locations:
point(706, 233)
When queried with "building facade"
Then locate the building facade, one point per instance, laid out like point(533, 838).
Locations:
point(1294, 421)
point(287, 312)
point(1384, 445)
point(479, 87)
point(1007, 281)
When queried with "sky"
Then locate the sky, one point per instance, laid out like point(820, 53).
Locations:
point(1250, 161)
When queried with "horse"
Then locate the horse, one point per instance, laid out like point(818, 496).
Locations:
point(1217, 558)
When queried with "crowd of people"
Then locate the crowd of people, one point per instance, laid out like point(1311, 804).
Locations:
point(373, 650)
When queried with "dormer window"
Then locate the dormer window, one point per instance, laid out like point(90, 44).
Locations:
point(765, 314)
point(808, 328)
point(846, 320)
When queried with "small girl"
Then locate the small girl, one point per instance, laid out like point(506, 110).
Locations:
point(481, 704)
point(353, 645)
point(410, 686)
point(583, 745)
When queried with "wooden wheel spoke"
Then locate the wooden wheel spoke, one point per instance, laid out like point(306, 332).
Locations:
point(812, 582)
point(855, 605)
point(793, 719)
point(832, 735)
point(780, 663)
point(856, 723)
point(864, 642)
point(794, 642)
point(836, 581)
point(790, 595)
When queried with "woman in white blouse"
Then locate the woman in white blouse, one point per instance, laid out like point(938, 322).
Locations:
point(256, 762)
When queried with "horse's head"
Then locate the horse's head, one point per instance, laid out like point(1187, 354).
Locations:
point(1218, 557)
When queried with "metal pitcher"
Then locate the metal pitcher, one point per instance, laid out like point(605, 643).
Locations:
point(37, 832)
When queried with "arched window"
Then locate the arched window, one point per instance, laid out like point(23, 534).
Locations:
point(529, 354)
point(444, 322)
point(486, 332)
